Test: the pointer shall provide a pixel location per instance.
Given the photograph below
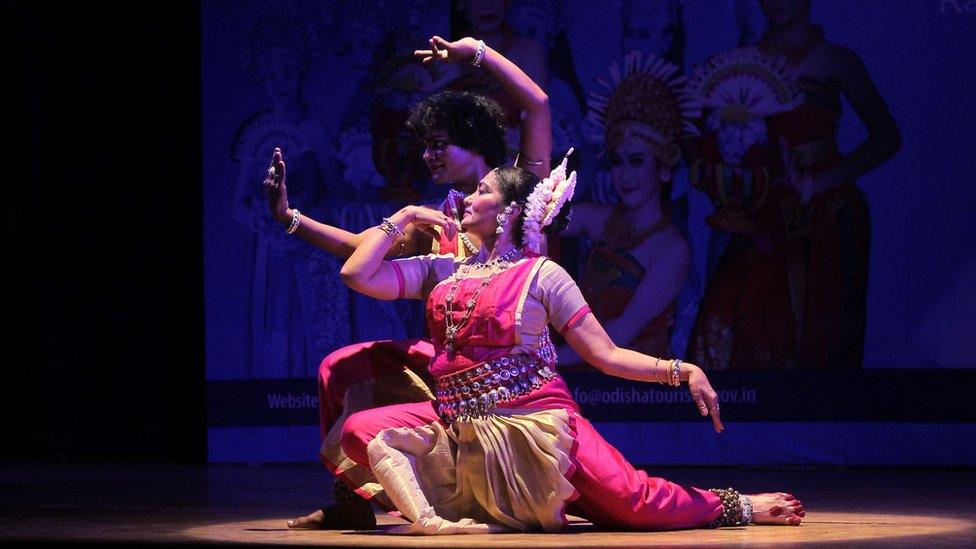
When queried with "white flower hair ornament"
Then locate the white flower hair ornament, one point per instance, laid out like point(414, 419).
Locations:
point(545, 202)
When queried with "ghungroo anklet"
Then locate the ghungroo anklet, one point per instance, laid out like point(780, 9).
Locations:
point(736, 508)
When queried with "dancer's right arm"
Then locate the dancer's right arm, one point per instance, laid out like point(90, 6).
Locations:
point(366, 272)
point(331, 239)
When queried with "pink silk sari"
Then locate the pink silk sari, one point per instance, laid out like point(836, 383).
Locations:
point(521, 467)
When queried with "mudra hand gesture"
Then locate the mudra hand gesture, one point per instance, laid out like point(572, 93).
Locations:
point(425, 219)
point(449, 52)
point(274, 188)
point(704, 396)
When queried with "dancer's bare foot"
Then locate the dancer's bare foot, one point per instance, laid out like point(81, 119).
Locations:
point(350, 514)
point(778, 508)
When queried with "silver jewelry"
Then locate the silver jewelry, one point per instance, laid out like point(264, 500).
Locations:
point(480, 54)
point(453, 197)
point(494, 267)
point(518, 157)
point(746, 503)
point(295, 221)
point(504, 217)
point(391, 229)
point(676, 372)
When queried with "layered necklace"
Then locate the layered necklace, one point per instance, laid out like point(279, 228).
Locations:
point(453, 198)
point(494, 267)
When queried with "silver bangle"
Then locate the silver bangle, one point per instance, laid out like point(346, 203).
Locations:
point(480, 54)
point(676, 372)
point(391, 229)
point(295, 221)
point(518, 157)
point(746, 503)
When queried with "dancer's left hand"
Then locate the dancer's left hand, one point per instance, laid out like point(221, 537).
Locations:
point(704, 396)
point(425, 219)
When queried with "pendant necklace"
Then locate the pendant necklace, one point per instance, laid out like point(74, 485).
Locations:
point(494, 267)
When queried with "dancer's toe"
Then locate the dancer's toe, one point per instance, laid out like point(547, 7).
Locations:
point(777, 508)
point(311, 521)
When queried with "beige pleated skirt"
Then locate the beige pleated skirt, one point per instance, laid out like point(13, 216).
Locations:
point(505, 472)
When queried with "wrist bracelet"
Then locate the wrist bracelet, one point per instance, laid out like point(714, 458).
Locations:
point(295, 221)
point(479, 55)
point(391, 229)
point(676, 372)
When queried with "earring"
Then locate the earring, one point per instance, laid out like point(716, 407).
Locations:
point(503, 217)
point(665, 175)
point(502, 220)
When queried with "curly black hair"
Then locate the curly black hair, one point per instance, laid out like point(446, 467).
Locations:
point(515, 185)
point(473, 122)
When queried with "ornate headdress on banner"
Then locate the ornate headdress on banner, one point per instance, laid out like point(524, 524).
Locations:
point(544, 16)
point(424, 18)
point(350, 23)
point(544, 203)
point(275, 33)
point(738, 89)
point(355, 154)
point(643, 99)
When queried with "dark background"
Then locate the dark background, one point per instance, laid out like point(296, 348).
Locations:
point(103, 160)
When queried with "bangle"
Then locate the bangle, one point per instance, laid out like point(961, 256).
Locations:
point(295, 221)
point(479, 55)
point(746, 503)
point(676, 372)
point(518, 157)
point(656, 378)
point(391, 229)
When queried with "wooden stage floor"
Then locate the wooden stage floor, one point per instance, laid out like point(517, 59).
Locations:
point(184, 505)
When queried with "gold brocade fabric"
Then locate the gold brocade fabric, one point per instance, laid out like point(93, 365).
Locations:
point(501, 473)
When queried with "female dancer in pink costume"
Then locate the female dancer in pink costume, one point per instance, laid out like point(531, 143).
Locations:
point(504, 447)
point(464, 136)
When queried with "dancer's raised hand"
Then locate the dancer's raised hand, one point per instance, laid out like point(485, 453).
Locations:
point(449, 52)
point(275, 190)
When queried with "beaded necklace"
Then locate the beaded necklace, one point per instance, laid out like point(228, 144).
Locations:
point(453, 197)
point(494, 267)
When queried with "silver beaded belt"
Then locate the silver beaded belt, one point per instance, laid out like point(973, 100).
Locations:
point(475, 392)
